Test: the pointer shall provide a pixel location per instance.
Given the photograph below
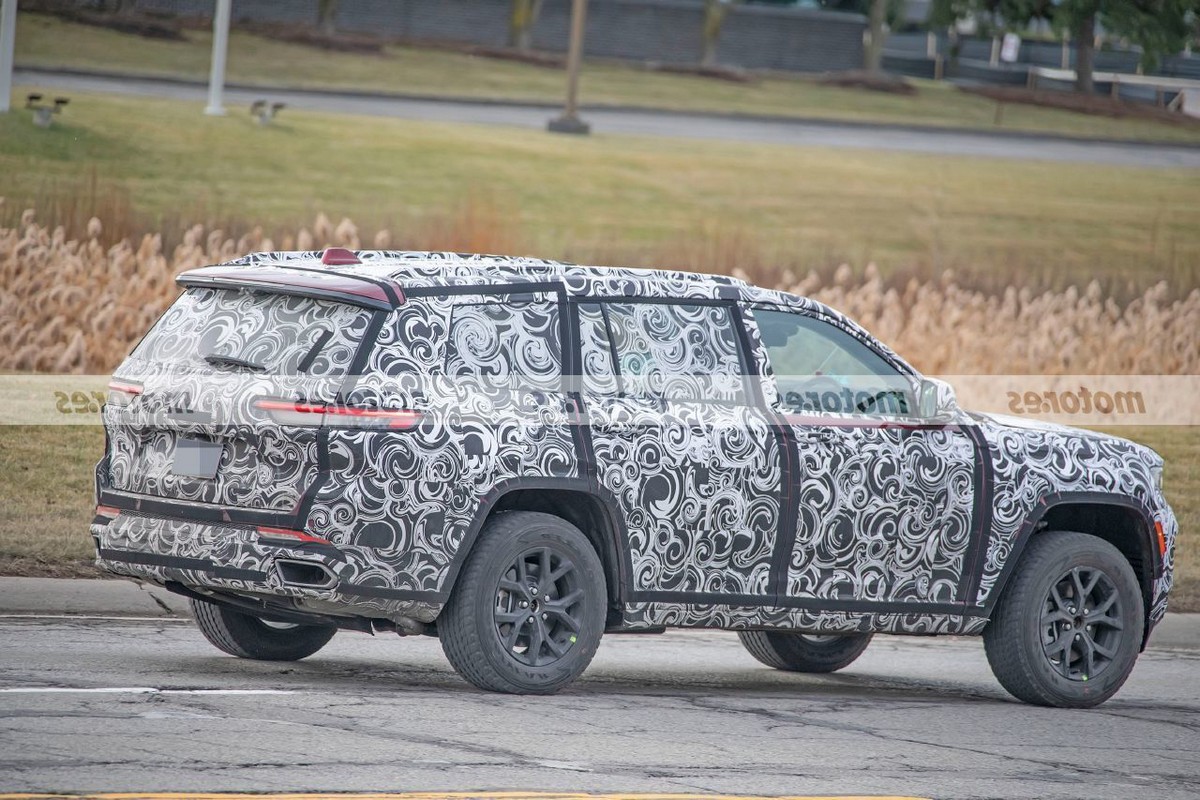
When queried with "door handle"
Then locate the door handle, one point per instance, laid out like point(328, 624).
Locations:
point(818, 435)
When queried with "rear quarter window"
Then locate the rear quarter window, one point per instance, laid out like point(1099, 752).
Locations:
point(513, 340)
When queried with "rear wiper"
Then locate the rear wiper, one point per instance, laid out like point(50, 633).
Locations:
point(218, 360)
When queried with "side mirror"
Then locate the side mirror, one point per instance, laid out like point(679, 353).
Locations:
point(937, 401)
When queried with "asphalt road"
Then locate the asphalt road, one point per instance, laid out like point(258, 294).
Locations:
point(114, 705)
point(654, 123)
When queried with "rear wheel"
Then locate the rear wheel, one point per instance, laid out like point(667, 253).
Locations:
point(247, 636)
point(527, 611)
point(804, 652)
point(1068, 628)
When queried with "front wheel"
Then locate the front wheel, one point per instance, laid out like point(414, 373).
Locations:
point(804, 652)
point(1068, 628)
point(527, 612)
point(247, 636)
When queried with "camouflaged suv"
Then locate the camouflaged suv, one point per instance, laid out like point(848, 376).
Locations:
point(518, 456)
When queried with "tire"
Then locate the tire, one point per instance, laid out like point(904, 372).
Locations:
point(1038, 641)
point(247, 636)
point(800, 652)
point(499, 645)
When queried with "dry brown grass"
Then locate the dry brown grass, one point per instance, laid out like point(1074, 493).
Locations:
point(78, 305)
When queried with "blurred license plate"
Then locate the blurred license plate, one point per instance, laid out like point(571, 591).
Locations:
point(196, 458)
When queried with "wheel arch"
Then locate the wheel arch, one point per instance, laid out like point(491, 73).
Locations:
point(578, 502)
point(1124, 522)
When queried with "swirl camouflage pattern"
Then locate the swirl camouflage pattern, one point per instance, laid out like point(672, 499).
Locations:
point(642, 406)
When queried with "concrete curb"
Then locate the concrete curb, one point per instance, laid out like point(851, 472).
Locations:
point(87, 597)
point(367, 94)
point(77, 597)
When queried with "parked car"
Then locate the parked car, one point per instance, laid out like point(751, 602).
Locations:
point(518, 456)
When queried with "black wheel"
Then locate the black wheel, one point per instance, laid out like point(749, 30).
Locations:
point(528, 609)
point(1068, 628)
point(247, 636)
point(804, 652)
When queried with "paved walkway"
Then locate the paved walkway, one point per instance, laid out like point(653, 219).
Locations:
point(648, 122)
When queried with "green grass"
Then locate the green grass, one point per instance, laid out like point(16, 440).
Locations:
point(45, 41)
point(1180, 449)
point(46, 500)
point(615, 197)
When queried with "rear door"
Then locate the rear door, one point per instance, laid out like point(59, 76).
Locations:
point(188, 421)
point(686, 450)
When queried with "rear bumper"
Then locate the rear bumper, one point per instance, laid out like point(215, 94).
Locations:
point(235, 558)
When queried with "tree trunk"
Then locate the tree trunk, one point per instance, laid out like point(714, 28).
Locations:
point(1085, 52)
point(525, 15)
point(714, 18)
point(873, 57)
point(326, 12)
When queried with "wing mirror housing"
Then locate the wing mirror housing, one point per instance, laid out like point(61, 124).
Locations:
point(937, 401)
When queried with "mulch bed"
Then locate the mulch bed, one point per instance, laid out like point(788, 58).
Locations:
point(871, 81)
point(1098, 104)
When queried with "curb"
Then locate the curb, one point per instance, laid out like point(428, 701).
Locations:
point(367, 94)
point(43, 597)
point(36, 598)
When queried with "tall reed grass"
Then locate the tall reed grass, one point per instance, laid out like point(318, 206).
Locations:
point(76, 299)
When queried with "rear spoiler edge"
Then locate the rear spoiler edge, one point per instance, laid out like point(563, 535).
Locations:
point(316, 284)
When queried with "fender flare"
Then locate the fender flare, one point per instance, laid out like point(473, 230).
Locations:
point(617, 543)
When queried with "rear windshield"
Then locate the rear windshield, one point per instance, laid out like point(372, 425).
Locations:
point(272, 334)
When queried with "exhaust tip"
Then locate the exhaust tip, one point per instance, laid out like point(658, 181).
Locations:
point(304, 574)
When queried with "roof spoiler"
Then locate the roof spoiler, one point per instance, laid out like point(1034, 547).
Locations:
point(318, 284)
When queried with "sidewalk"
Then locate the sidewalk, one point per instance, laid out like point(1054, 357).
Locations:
point(39, 597)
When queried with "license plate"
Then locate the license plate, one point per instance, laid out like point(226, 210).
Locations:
point(196, 458)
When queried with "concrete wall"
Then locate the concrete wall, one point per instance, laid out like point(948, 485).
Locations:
point(666, 31)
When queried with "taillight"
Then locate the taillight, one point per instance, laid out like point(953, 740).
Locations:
point(298, 413)
point(121, 393)
point(266, 532)
point(107, 513)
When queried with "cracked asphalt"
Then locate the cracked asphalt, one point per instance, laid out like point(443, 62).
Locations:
point(120, 705)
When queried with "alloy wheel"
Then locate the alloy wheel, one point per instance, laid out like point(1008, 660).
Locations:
point(1081, 623)
point(539, 607)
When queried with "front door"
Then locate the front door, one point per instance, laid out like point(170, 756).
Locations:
point(884, 501)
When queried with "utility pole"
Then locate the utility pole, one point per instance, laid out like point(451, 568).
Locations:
point(8, 38)
point(570, 122)
point(216, 75)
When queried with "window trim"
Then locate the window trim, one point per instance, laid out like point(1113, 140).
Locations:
point(902, 369)
point(749, 396)
point(499, 295)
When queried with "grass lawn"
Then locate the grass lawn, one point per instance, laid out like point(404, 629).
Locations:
point(44, 41)
point(46, 500)
point(615, 198)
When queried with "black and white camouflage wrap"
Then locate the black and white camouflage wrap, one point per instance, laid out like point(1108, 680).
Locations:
point(730, 516)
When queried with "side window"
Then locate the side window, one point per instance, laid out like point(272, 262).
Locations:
point(677, 351)
point(599, 374)
point(820, 368)
point(511, 341)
